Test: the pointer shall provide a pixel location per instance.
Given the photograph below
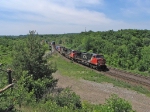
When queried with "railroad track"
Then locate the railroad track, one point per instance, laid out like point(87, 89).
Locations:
point(123, 75)
point(129, 77)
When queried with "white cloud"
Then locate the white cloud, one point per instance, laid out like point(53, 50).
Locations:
point(54, 16)
point(50, 13)
point(47, 10)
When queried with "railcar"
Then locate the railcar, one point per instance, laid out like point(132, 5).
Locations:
point(53, 43)
point(58, 48)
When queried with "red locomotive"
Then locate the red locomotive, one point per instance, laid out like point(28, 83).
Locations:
point(92, 60)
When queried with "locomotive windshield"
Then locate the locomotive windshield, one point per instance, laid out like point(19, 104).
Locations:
point(99, 56)
point(73, 51)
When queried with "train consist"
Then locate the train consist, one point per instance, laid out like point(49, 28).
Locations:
point(92, 60)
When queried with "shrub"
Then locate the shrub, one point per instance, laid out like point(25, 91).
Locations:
point(116, 104)
point(67, 98)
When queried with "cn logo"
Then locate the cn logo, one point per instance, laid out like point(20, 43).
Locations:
point(84, 57)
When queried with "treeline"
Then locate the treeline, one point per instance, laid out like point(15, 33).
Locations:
point(126, 49)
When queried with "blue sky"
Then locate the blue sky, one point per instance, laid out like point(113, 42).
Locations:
point(72, 16)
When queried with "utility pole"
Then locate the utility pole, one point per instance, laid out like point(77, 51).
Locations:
point(9, 76)
point(85, 29)
point(9, 79)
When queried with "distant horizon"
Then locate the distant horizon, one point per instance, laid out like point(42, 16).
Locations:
point(70, 32)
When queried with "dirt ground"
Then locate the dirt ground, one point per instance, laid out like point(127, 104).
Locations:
point(96, 93)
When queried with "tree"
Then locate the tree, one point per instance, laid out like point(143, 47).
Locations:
point(28, 59)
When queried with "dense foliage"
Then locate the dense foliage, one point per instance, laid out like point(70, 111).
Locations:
point(116, 104)
point(6, 45)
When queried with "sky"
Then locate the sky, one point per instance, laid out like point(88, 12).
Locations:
point(18, 17)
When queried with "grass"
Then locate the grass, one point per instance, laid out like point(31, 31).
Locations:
point(71, 69)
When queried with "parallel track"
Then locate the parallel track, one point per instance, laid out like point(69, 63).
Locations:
point(130, 77)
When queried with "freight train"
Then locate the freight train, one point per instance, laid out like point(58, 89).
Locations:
point(93, 60)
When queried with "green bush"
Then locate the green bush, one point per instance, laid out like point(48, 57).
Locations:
point(116, 104)
point(67, 98)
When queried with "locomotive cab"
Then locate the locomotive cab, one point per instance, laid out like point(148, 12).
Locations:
point(98, 61)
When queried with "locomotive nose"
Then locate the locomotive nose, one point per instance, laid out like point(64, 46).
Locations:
point(101, 61)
